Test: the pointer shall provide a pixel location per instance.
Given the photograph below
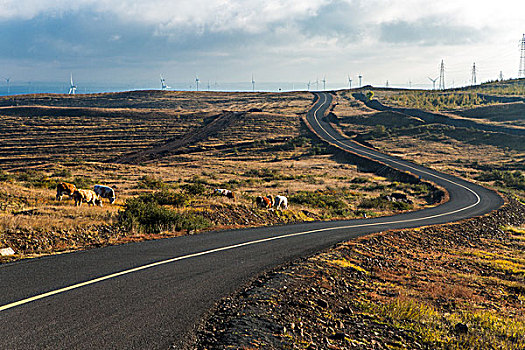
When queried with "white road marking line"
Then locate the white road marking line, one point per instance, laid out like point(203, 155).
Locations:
point(478, 199)
point(163, 262)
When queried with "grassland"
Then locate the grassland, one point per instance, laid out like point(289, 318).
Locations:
point(164, 145)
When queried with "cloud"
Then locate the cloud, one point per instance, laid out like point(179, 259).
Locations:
point(429, 31)
point(227, 36)
point(337, 19)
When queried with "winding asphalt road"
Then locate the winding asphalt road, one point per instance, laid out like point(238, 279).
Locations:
point(151, 295)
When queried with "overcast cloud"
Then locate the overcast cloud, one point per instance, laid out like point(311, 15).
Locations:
point(277, 40)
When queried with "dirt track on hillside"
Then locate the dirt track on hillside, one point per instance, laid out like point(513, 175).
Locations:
point(218, 122)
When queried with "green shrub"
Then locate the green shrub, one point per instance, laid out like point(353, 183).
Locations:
point(384, 204)
point(83, 182)
point(318, 200)
point(295, 142)
point(317, 150)
point(32, 178)
point(166, 197)
point(4, 176)
point(62, 173)
point(149, 217)
point(265, 173)
point(512, 179)
point(195, 189)
point(378, 203)
point(151, 182)
point(359, 180)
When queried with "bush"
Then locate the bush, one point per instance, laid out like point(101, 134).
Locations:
point(318, 200)
point(378, 203)
point(295, 142)
point(62, 173)
point(83, 182)
point(151, 182)
point(512, 179)
point(384, 204)
point(143, 216)
point(359, 180)
point(166, 197)
point(32, 178)
point(265, 173)
point(4, 176)
point(195, 189)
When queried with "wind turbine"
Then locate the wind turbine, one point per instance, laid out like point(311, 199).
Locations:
point(433, 82)
point(253, 84)
point(349, 82)
point(163, 85)
point(72, 87)
point(7, 80)
point(317, 84)
point(308, 85)
point(360, 77)
point(197, 82)
point(324, 82)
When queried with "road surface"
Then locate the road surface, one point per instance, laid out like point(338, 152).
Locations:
point(151, 295)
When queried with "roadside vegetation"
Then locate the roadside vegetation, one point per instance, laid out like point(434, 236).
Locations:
point(454, 99)
point(436, 101)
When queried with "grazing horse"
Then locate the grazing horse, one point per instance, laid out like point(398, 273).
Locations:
point(224, 192)
point(65, 188)
point(87, 196)
point(281, 201)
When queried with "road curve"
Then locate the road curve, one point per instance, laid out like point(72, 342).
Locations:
point(150, 295)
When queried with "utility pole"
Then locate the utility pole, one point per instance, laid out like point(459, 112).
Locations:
point(521, 73)
point(473, 79)
point(442, 76)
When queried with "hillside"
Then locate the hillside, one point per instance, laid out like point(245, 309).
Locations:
point(169, 159)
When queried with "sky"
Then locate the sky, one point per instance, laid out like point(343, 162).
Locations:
point(227, 41)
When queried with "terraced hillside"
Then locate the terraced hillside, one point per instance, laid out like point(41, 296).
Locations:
point(101, 127)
